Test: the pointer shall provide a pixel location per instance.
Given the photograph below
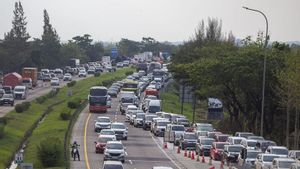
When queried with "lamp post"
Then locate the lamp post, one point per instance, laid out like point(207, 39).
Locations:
point(264, 70)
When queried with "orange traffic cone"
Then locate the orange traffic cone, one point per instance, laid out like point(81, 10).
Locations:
point(178, 150)
point(212, 167)
point(222, 164)
point(185, 153)
point(203, 159)
point(165, 145)
point(193, 155)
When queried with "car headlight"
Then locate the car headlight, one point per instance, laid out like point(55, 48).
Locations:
point(106, 153)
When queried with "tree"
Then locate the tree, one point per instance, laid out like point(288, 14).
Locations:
point(15, 42)
point(50, 44)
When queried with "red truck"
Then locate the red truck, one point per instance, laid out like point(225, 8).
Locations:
point(12, 79)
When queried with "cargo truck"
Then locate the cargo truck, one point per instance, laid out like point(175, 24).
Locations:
point(30, 73)
point(74, 62)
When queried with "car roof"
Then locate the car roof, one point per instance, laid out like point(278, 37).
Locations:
point(114, 142)
point(131, 106)
point(104, 117)
point(119, 123)
point(237, 137)
point(107, 136)
point(112, 162)
point(284, 159)
point(277, 147)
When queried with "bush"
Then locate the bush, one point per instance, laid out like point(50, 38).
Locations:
point(74, 104)
point(52, 93)
point(50, 151)
point(129, 73)
point(41, 99)
point(97, 74)
point(22, 107)
point(3, 120)
point(2, 126)
point(65, 115)
point(71, 84)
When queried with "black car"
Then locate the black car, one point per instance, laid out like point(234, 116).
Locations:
point(7, 99)
point(231, 153)
point(112, 93)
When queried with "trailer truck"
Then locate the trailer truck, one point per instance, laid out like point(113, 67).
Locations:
point(29, 75)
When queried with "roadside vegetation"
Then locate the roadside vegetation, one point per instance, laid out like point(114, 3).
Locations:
point(18, 126)
point(217, 67)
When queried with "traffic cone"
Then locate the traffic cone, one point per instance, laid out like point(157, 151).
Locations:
point(212, 167)
point(189, 154)
point(222, 164)
point(203, 159)
point(165, 145)
point(193, 155)
point(210, 161)
point(178, 150)
point(185, 153)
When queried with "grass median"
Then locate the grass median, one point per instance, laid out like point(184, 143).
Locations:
point(52, 125)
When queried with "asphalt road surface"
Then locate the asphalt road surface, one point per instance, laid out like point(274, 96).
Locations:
point(41, 89)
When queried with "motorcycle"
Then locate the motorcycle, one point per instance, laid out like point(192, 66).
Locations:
point(75, 153)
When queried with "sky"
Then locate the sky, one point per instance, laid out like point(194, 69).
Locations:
point(164, 20)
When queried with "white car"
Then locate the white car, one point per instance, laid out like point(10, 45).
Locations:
point(282, 163)
point(54, 82)
point(264, 161)
point(281, 151)
point(102, 123)
point(82, 73)
point(67, 77)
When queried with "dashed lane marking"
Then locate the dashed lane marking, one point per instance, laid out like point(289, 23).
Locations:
point(85, 145)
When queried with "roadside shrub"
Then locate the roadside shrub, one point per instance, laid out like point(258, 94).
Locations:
point(97, 74)
point(22, 107)
point(3, 120)
point(52, 93)
point(2, 126)
point(41, 99)
point(65, 115)
point(129, 73)
point(74, 104)
point(50, 151)
point(71, 84)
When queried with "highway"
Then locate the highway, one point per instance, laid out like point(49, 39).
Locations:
point(143, 149)
point(41, 89)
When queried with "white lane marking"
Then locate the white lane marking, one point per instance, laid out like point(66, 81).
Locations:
point(165, 153)
point(130, 162)
point(126, 153)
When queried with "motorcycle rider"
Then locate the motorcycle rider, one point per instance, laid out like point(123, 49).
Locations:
point(75, 146)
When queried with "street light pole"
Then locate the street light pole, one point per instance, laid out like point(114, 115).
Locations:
point(264, 70)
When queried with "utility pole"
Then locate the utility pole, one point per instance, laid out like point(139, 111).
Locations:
point(182, 98)
point(194, 107)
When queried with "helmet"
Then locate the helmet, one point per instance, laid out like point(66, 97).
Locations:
point(74, 142)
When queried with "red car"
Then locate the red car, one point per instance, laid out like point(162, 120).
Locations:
point(101, 143)
point(217, 150)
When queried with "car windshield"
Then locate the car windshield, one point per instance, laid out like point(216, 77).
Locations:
point(150, 118)
point(237, 141)
point(285, 164)
point(251, 143)
point(252, 154)
point(178, 128)
point(222, 138)
point(183, 120)
point(234, 149)
point(127, 100)
point(162, 123)
point(269, 158)
point(154, 109)
point(190, 136)
point(7, 96)
point(204, 128)
point(107, 132)
point(104, 120)
point(26, 81)
point(207, 142)
point(220, 146)
point(114, 146)
point(19, 90)
point(140, 116)
point(118, 126)
point(280, 151)
point(104, 139)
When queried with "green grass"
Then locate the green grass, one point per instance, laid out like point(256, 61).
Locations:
point(54, 126)
point(20, 123)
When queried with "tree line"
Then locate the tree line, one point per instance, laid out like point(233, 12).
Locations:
point(18, 49)
point(216, 66)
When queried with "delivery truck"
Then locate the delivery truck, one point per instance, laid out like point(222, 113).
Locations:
point(29, 75)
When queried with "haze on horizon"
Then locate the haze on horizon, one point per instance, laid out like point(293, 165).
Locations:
point(164, 20)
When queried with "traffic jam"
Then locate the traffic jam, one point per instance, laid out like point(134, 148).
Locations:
point(139, 102)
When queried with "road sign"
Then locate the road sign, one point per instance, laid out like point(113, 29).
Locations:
point(114, 52)
point(186, 93)
point(26, 166)
point(19, 158)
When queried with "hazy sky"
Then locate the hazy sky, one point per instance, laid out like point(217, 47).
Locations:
point(171, 20)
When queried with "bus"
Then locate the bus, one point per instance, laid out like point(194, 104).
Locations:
point(99, 100)
point(130, 85)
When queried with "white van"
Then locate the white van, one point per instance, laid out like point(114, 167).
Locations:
point(154, 106)
point(20, 92)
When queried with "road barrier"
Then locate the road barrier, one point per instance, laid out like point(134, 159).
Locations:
point(193, 155)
